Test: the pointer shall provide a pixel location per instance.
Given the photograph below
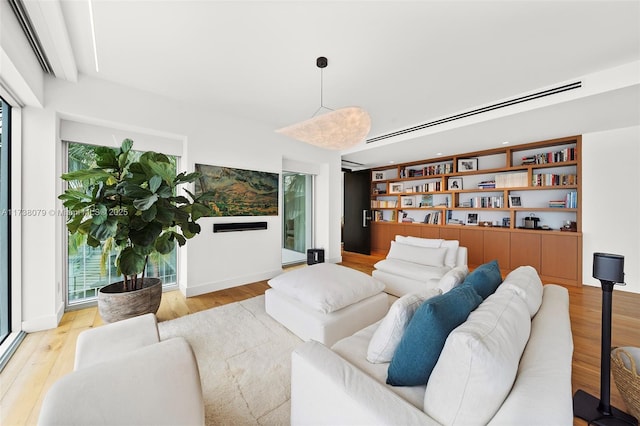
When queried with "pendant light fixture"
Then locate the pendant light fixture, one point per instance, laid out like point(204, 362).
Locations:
point(336, 129)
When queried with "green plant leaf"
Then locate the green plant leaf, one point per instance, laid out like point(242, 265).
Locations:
point(130, 262)
point(149, 214)
point(99, 213)
point(186, 178)
point(145, 203)
point(147, 235)
point(103, 230)
point(126, 145)
point(164, 191)
point(163, 245)
point(165, 214)
point(200, 210)
point(87, 174)
point(154, 183)
point(106, 157)
point(132, 190)
point(164, 170)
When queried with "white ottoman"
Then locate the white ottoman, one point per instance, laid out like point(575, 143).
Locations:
point(325, 302)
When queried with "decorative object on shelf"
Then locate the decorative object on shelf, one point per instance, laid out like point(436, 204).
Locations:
point(407, 202)
point(506, 222)
point(426, 201)
point(131, 204)
point(454, 184)
point(472, 218)
point(569, 226)
point(337, 129)
point(467, 164)
point(515, 201)
point(609, 269)
point(530, 222)
point(395, 188)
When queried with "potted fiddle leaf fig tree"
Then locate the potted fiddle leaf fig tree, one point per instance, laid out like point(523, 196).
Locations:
point(129, 203)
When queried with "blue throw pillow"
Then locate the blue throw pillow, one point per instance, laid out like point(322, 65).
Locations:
point(485, 279)
point(424, 338)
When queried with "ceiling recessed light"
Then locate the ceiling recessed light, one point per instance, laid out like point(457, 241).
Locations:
point(505, 143)
point(391, 162)
point(439, 153)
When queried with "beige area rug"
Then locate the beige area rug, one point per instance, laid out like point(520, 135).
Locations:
point(244, 358)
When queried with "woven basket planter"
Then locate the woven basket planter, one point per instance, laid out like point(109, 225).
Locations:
point(115, 304)
point(627, 378)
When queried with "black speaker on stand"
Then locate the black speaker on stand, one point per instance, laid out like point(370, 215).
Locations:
point(609, 269)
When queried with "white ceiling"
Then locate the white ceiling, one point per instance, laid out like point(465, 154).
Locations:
point(404, 62)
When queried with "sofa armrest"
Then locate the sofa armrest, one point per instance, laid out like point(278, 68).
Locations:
point(326, 389)
point(461, 259)
point(100, 344)
point(158, 384)
point(542, 391)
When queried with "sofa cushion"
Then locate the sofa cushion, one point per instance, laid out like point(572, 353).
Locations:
point(427, 256)
point(354, 350)
point(525, 282)
point(479, 362)
point(420, 242)
point(388, 334)
point(451, 258)
point(453, 278)
point(411, 270)
point(424, 338)
point(326, 287)
point(485, 279)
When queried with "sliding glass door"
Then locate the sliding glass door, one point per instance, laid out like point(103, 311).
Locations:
point(297, 216)
point(5, 217)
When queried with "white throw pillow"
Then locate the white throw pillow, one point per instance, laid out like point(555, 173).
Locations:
point(422, 255)
point(326, 287)
point(421, 242)
point(526, 283)
point(453, 278)
point(385, 340)
point(479, 362)
point(451, 259)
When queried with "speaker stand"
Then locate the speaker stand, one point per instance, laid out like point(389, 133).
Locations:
point(587, 407)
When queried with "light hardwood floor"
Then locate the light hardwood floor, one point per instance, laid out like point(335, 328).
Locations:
point(46, 356)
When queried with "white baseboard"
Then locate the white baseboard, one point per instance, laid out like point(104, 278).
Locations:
point(232, 282)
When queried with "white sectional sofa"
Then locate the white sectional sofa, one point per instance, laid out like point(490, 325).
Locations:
point(415, 264)
point(508, 363)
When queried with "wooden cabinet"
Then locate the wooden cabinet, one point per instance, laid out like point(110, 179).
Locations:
point(487, 200)
point(526, 250)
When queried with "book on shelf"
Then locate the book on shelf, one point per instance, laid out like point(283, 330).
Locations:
point(563, 155)
point(511, 180)
point(487, 184)
point(552, 179)
point(557, 204)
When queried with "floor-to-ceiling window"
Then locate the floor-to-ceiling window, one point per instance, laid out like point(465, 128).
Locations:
point(297, 216)
point(5, 217)
point(85, 274)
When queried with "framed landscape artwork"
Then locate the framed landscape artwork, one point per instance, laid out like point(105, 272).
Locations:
point(239, 192)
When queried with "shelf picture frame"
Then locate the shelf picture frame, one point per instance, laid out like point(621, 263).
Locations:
point(472, 219)
point(454, 184)
point(407, 201)
point(515, 201)
point(378, 175)
point(395, 188)
point(467, 164)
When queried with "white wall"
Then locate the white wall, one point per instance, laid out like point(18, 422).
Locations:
point(611, 201)
point(213, 261)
